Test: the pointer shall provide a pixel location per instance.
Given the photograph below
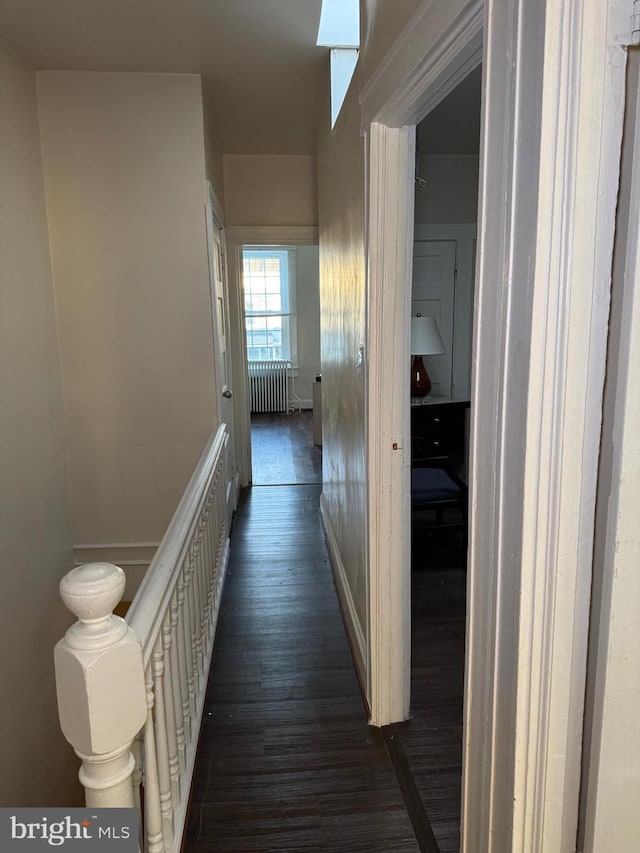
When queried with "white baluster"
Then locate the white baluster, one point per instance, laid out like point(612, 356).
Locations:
point(184, 646)
point(170, 710)
point(191, 596)
point(215, 551)
point(198, 601)
point(152, 808)
point(136, 778)
point(96, 657)
point(180, 689)
point(162, 747)
point(205, 572)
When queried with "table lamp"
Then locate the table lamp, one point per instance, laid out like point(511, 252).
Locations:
point(425, 340)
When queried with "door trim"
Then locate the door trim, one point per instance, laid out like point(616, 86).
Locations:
point(549, 171)
point(214, 214)
point(388, 442)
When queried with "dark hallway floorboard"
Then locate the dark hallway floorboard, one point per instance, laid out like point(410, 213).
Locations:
point(286, 760)
point(282, 449)
point(432, 739)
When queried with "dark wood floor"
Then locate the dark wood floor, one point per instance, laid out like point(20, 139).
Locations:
point(282, 449)
point(286, 760)
point(432, 739)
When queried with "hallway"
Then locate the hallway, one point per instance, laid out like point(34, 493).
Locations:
point(282, 449)
point(286, 760)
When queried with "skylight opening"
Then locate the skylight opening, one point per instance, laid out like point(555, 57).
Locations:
point(343, 64)
point(339, 24)
point(340, 30)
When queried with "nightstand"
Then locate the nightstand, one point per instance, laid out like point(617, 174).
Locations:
point(438, 432)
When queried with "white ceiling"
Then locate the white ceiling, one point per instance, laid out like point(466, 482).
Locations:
point(263, 73)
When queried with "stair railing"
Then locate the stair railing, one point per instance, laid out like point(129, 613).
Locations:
point(131, 693)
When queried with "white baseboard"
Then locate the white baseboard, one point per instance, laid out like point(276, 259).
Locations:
point(133, 557)
point(348, 607)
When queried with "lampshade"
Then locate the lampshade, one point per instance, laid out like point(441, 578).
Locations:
point(425, 337)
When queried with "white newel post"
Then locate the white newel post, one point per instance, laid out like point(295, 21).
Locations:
point(100, 684)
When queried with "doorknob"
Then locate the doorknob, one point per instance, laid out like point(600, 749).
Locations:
point(227, 392)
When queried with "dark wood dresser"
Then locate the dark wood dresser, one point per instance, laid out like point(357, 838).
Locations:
point(439, 432)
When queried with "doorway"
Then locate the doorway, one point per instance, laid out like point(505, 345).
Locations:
point(279, 304)
point(445, 211)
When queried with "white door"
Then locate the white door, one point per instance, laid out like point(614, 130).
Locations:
point(224, 391)
point(433, 292)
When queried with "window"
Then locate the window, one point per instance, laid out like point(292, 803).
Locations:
point(268, 277)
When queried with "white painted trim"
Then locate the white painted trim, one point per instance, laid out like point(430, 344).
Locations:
point(611, 783)
point(581, 133)
point(112, 546)
point(390, 212)
point(214, 220)
point(437, 49)
point(216, 207)
point(134, 557)
point(241, 397)
point(277, 235)
point(352, 624)
point(549, 163)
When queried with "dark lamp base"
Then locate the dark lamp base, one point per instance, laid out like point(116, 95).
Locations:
point(420, 382)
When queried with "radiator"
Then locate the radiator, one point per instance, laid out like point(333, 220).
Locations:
point(268, 381)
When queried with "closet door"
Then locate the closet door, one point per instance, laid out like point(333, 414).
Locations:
point(434, 271)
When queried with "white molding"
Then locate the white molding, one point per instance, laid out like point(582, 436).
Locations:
point(268, 235)
point(611, 787)
point(114, 546)
point(348, 609)
point(581, 133)
point(437, 49)
point(216, 207)
point(134, 557)
point(390, 196)
point(241, 396)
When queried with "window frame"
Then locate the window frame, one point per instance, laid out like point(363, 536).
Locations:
point(289, 329)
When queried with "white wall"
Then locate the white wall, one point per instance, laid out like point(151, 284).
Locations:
point(212, 149)
point(341, 203)
point(269, 189)
point(125, 187)
point(308, 310)
point(35, 526)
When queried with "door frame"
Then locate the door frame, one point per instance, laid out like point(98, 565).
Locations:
point(214, 218)
point(236, 237)
point(549, 167)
